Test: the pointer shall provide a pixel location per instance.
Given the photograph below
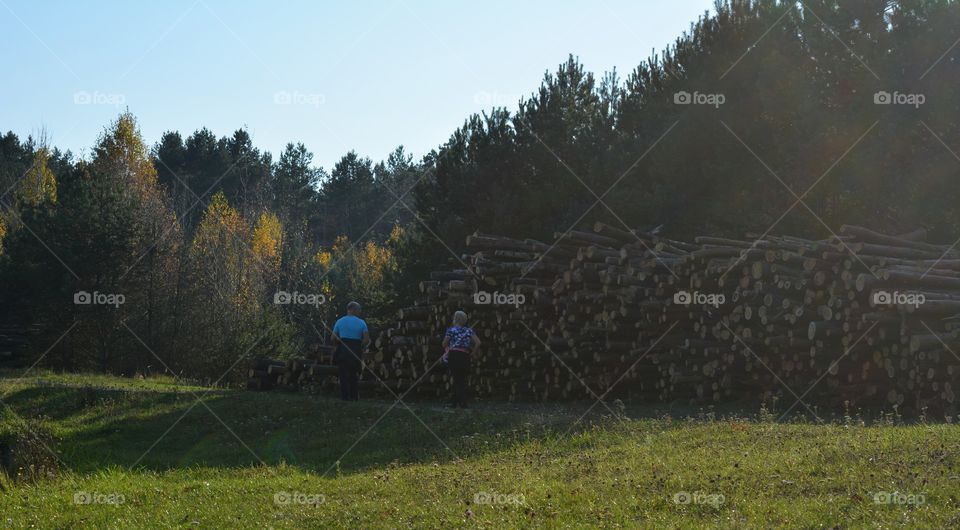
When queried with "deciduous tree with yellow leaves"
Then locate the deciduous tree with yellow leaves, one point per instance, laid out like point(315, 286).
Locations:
point(39, 184)
point(359, 271)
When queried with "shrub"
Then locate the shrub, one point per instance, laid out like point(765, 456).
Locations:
point(27, 448)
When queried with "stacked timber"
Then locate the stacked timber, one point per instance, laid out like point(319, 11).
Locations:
point(860, 318)
point(293, 373)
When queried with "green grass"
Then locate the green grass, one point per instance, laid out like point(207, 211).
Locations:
point(611, 473)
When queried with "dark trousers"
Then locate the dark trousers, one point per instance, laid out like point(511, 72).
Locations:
point(348, 362)
point(459, 364)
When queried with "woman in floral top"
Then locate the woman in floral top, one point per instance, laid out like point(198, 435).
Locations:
point(457, 344)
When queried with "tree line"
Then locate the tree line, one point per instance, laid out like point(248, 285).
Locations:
point(192, 255)
point(764, 115)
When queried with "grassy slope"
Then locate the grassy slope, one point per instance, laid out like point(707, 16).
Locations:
point(612, 474)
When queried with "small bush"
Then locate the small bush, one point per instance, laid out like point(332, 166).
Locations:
point(27, 448)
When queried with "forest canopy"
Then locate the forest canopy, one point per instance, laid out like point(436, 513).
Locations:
point(764, 116)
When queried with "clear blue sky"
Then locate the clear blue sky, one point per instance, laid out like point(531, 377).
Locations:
point(357, 75)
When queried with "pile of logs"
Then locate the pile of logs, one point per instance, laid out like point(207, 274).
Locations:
point(860, 319)
point(267, 374)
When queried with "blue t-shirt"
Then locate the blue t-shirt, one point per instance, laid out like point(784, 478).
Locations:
point(459, 338)
point(350, 327)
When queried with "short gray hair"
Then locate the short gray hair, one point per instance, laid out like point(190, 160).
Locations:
point(459, 318)
point(353, 306)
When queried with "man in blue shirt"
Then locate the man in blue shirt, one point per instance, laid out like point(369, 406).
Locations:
point(351, 336)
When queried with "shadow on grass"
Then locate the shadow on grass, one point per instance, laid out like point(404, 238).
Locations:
point(100, 428)
point(158, 430)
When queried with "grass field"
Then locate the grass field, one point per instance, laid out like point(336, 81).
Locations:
point(148, 454)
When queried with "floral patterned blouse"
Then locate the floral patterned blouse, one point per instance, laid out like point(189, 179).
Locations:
point(459, 338)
